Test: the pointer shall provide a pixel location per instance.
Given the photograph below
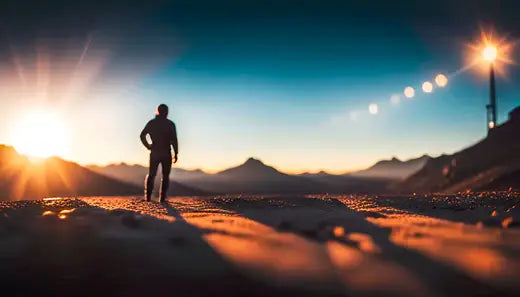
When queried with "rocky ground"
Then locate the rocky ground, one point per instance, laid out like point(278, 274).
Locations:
point(433, 245)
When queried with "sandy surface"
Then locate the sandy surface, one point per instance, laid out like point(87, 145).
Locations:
point(461, 245)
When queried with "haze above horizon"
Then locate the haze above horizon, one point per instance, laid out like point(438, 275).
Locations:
point(288, 82)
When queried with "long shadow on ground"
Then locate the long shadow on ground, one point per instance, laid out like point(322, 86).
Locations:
point(319, 216)
point(96, 252)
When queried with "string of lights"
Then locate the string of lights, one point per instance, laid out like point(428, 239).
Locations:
point(490, 53)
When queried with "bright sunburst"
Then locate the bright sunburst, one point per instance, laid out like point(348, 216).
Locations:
point(490, 48)
point(40, 134)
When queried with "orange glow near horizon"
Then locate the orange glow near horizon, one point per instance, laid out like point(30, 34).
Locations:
point(40, 134)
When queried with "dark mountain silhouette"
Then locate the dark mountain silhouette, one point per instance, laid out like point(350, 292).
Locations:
point(135, 174)
point(394, 168)
point(253, 176)
point(491, 164)
point(346, 183)
point(21, 178)
point(252, 169)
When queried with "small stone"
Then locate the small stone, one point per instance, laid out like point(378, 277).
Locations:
point(507, 222)
point(339, 231)
point(48, 213)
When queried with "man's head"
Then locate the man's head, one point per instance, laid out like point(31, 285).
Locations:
point(162, 110)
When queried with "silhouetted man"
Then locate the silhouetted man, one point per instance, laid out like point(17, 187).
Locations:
point(163, 134)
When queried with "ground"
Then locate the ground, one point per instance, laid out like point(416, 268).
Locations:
point(458, 245)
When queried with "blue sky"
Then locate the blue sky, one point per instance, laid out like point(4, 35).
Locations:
point(274, 80)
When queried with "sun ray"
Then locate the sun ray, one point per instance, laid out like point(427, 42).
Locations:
point(18, 66)
point(65, 179)
point(489, 43)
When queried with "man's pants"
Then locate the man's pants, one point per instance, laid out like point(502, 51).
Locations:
point(166, 164)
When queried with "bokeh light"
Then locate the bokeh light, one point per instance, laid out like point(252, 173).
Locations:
point(395, 99)
point(409, 92)
point(427, 87)
point(353, 115)
point(441, 80)
point(373, 108)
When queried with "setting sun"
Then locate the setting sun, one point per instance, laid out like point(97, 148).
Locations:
point(40, 134)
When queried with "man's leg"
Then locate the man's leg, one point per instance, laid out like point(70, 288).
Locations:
point(152, 171)
point(166, 165)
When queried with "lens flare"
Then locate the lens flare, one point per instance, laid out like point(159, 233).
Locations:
point(441, 80)
point(40, 134)
point(395, 99)
point(373, 108)
point(489, 49)
point(489, 53)
point(427, 87)
point(409, 92)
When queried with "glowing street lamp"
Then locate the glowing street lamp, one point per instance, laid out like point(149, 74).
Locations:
point(489, 53)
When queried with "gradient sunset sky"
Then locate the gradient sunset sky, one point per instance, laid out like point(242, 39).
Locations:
point(288, 82)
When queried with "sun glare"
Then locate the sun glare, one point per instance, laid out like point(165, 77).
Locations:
point(490, 53)
point(490, 49)
point(40, 134)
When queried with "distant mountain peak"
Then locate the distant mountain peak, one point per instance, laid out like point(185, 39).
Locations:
point(386, 162)
point(394, 168)
point(253, 161)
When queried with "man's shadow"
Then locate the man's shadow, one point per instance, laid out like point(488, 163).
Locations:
point(235, 282)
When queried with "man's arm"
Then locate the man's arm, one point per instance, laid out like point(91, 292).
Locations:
point(174, 142)
point(145, 131)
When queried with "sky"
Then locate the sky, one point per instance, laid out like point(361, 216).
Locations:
point(288, 82)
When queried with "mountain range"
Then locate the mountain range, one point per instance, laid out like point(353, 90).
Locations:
point(253, 176)
point(23, 178)
point(394, 168)
point(493, 163)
